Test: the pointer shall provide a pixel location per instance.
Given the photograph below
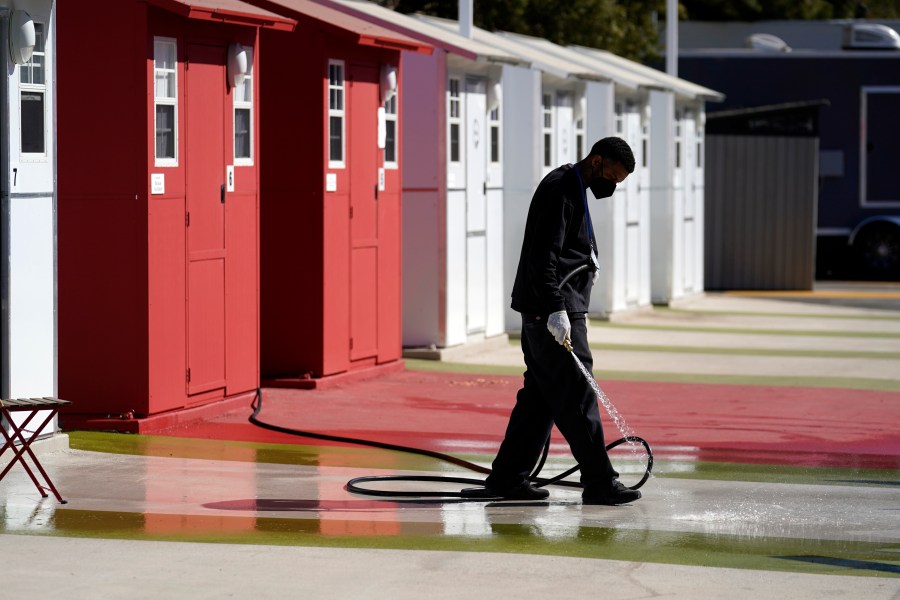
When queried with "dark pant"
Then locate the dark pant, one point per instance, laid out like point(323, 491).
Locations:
point(554, 391)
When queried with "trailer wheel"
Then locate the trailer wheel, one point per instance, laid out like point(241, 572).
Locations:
point(877, 250)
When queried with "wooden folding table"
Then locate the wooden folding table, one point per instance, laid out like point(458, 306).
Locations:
point(32, 406)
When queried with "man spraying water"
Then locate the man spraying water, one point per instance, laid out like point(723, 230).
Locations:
point(559, 239)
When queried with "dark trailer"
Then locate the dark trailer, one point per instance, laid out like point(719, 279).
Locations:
point(858, 228)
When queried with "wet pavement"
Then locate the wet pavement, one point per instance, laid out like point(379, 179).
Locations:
point(771, 477)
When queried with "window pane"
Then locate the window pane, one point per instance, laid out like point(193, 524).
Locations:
point(339, 99)
point(390, 141)
point(495, 144)
point(579, 146)
point(164, 55)
point(33, 122)
point(165, 131)
point(164, 85)
point(37, 73)
point(244, 91)
point(242, 133)
point(677, 155)
point(547, 154)
point(25, 73)
point(335, 139)
point(454, 142)
point(38, 37)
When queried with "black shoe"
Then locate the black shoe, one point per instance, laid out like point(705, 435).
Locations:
point(523, 491)
point(617, 494)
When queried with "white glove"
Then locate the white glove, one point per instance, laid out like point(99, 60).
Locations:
point(558, 324)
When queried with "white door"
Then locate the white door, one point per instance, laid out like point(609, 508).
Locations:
point(632, 134)
point(477, 143)
point(565, 134)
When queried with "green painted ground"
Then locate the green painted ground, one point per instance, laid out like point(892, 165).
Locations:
point(856, 383)
point(640, 545)
point(374, 458)
point(748, 331)
point(736, 313)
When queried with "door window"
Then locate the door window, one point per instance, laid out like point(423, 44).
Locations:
point(390, 136)
point(165, 100)
point(336, 113)
point(243, 116)
point(32, 96)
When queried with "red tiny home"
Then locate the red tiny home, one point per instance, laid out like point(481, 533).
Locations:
point(158, 227)
point(330, 215)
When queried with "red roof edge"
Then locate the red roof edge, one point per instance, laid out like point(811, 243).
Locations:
point(185, 9)
point(389, 39)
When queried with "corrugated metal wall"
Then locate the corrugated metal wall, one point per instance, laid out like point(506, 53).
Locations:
point(761, 195)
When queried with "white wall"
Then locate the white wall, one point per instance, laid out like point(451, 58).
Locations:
point(600, 123)
point(522, 155)
point(662, 200)
point(29, 233)
point(422, 88)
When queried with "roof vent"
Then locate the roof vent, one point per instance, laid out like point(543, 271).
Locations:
point(870, 36)
point(766, 42)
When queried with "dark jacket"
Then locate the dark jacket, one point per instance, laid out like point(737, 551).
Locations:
point(556, 242)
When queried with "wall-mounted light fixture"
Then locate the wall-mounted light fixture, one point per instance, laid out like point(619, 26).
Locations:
point(494, 95)
point(238, 64)
point(21, 37)
point(646, 114)
point(580, 109)
point(388, 82)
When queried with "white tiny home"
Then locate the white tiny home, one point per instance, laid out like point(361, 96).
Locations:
point(28, 172)
point(676, 160)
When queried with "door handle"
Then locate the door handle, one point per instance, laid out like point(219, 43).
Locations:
point(222, 194)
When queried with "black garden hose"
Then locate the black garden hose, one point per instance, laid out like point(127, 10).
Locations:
point(354, 484)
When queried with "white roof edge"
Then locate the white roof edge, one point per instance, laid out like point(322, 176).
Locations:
point(607, 72)
point(449, 41)
point(560, 68)
point(680, 86)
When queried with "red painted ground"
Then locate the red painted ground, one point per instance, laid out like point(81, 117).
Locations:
point(467, 413)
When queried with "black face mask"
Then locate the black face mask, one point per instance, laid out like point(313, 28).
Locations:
point(600, 186)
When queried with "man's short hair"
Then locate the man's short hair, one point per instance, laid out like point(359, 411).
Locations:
point(616, 149)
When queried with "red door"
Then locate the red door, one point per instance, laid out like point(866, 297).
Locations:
point(205, 147)
point(362, 140)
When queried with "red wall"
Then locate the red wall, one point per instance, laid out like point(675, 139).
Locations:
point(122, 251)
point(291, 208)
point(306, 278)
point(102, 209)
